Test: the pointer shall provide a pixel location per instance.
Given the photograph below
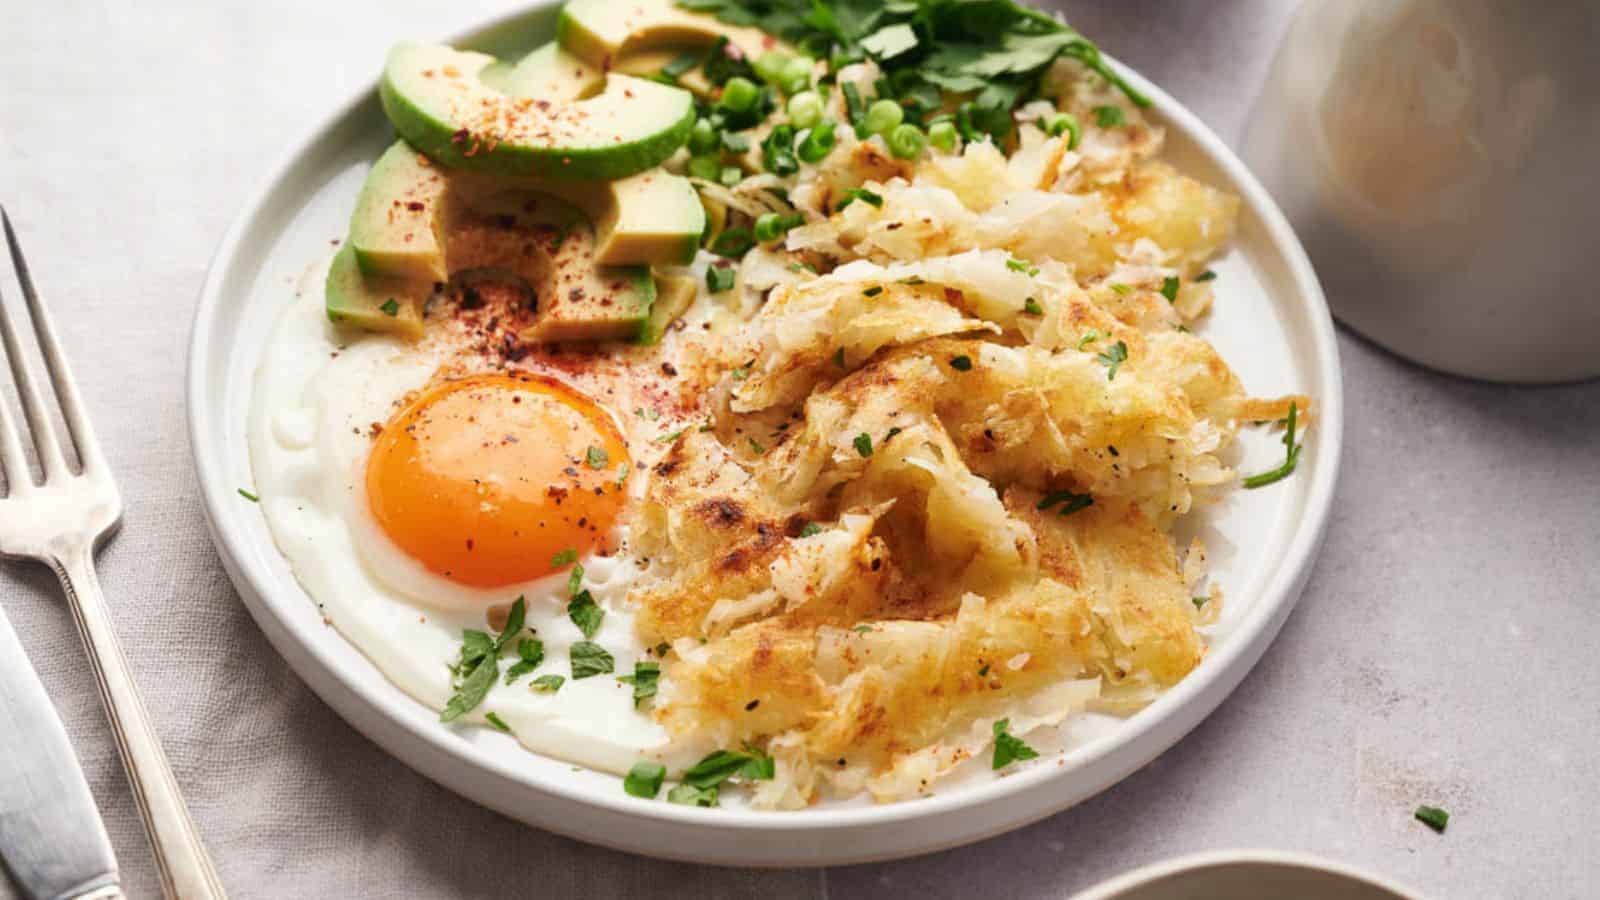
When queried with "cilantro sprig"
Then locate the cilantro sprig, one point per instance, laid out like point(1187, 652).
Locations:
point(1009, 748)
point(994, 51)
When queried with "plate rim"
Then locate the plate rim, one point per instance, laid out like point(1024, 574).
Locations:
point(1136, 742)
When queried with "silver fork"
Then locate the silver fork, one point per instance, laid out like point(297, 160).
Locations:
point(61, 522)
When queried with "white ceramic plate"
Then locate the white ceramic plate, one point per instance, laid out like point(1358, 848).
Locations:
point(1271, 324)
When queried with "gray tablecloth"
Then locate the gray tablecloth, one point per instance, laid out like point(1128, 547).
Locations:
point(1442, 654)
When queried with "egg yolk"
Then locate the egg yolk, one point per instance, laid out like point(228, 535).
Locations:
point(484, 480)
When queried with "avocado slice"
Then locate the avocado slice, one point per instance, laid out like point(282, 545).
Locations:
point(548, 73)
point(404, 211)
point(601, 31)
point(376, 303)
point(550, 246)
point(437, 101)
point(674, 293)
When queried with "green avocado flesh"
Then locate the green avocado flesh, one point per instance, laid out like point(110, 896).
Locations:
point(407, 204)
point(549, 245)
point(376, 303)
point(601, 31)
point(438, 102)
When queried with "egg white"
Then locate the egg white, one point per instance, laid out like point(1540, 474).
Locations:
point(314, 401)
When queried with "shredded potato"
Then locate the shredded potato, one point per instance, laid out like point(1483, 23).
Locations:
point(940, 492)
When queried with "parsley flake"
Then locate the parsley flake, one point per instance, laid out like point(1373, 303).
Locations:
point(597, 458)
point(530, 653)
point(1108, 116)
point(1008, 748)
point(812, 529)
point(1113, 359)
point(1292, 455)
point(390, 308)
point(865, 196)
point(1207, 275)
point(1088, 339)
point(1072, 502)
point(565, 558)
point(250, 495)
point(644, 679)
point(590, 659)
point(548, 684)
point(1199, 602)
point(863, 444)
point(494, 719)
point(1169, 288)
point(585, 613)
point(961, 363)
point(1032, 307)
point(644, 779)
point(1433, 817)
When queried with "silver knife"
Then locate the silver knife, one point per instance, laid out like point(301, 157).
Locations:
point(51, 835)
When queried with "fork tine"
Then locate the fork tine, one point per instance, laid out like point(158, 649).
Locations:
point(19, 479)
point(60, 376)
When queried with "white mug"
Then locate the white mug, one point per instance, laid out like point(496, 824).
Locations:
point(1440, 160)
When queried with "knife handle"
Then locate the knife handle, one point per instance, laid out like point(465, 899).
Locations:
point(186, 869)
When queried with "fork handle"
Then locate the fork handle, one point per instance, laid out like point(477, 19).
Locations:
point(186, 869)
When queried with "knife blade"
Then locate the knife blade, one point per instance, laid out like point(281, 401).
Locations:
point(51, 835)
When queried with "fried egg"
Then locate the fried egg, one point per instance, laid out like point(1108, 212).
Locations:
point(417, 490)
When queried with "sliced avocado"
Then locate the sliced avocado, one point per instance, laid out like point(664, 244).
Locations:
point(649, 62)
point(438, 102)
point(407, 202)
point(396, 228)
point(551, 246)
point(548, 73)
point(376, 303)
point(674, 293)
point(601, 31)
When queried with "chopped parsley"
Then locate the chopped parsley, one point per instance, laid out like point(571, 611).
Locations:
point(1023, 266)
point(1433, 817)
point(1032, 307)
point(756, 448)
point(873, 291)
point(702, 783)
point(478, 666)
point(862, 629)
point(838, 357)
point(494, 719)
point(669, 438)
point(1169, 288)
point(1072, 502)
point(644, 678)
point(585, 613)
point(1008, 748)
point(1108, 116)
point(1121, 290)
point(811, 529)
point(644, 779)
point(1113, 359)
point(390, 308)
point(689, 795)
point(530, 653)
point(719, 279)
point(865, 196)
point(1199, 602)
point(250, 495)
point(590, 659)
point(961, 363)
point(597, 457)
point(1207, 275)
point(1088, 339)
point(863, 444)
point(1291, 456)
point(575, 581)
point(548, 684)
point(565, 558)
